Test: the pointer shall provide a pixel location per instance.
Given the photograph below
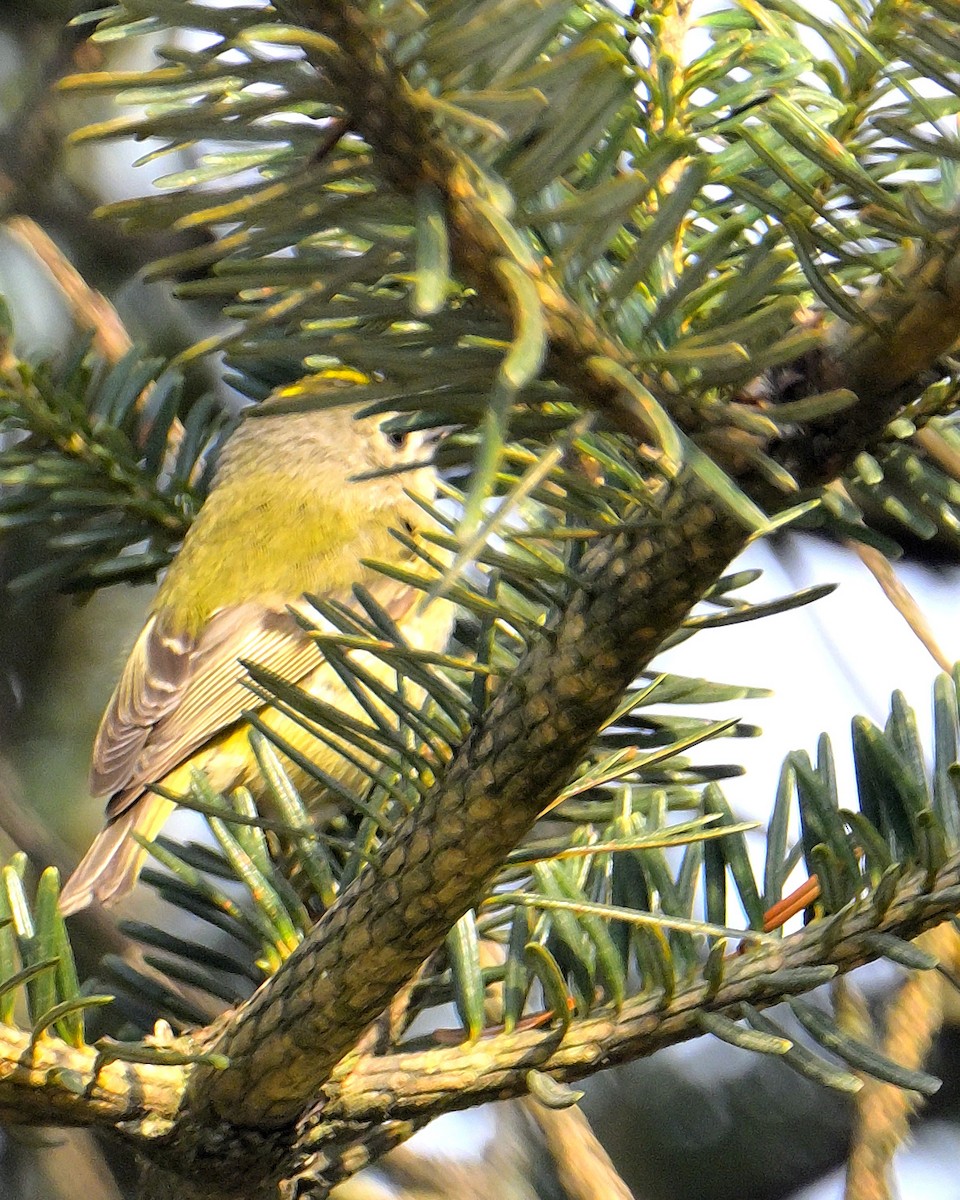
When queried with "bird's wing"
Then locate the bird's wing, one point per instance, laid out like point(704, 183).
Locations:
point(149, 688)
point(177, 691)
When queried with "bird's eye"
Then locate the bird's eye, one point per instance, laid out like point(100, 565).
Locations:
point(397, 439)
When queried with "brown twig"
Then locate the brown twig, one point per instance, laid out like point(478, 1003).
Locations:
point(883, 1111)
point(584, 1168)
point(91, 311)
point(900, 597)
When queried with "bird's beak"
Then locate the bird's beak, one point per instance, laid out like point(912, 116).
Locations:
point(439, 434)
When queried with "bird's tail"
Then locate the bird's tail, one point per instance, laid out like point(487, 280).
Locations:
point(110, 867)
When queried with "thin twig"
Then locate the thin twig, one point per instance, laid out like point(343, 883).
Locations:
point(90, 310)
point(884, 1111)
point(584, 1168)
point(893, 588)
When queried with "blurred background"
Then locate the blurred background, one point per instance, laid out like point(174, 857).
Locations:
point(703, 1120)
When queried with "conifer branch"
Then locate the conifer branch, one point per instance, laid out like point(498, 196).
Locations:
point(636, 588)
point(909, 324)
point(396, 1092)
point(413, 152)
point(372, 1101)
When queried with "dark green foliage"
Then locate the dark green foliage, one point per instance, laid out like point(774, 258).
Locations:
point(98, 461)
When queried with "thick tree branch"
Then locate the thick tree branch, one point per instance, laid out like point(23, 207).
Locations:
point(637, 586)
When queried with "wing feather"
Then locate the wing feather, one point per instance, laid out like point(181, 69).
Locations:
point(177, 692)
point(152, 682)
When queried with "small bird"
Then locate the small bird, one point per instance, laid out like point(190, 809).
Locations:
point(284, 517)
